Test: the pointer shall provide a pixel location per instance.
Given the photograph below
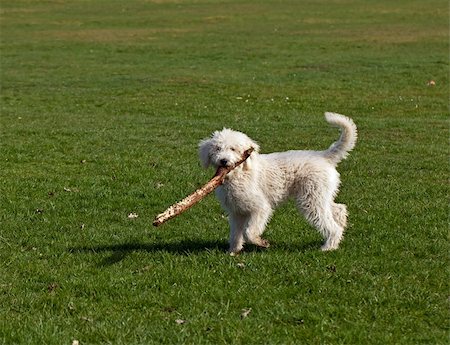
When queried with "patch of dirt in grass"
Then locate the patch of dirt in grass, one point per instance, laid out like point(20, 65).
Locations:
point(391, 35)
point(184, 81)
point(112, 35)
point(400, 35)
point(215, 19)
point(164, 1)
point(15, 10)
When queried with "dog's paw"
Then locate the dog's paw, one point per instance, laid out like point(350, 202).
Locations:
point(327, 247)
point(259, 242)
point(332, 243)
point(235, 250)
point(263, 243)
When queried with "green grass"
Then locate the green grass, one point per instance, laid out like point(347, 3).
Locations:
point(102, 106)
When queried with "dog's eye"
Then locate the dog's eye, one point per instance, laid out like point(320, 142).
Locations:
point(233, 149)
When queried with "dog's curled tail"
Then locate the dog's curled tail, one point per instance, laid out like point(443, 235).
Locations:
point(340, 149)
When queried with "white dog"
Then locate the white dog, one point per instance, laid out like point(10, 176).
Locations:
point(252, 190)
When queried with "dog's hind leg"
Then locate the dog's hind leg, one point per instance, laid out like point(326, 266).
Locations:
point(238, 223)
point(315, 199)
point(328, 217)
point(340, 214)
point(333, 232)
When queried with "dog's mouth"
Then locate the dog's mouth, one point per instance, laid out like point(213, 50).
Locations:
point(224, 163)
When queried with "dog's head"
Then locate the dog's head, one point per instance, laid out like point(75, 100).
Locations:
point(225, 148)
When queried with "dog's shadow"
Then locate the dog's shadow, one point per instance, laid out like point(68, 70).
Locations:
point(186, 247)
point(121, 251)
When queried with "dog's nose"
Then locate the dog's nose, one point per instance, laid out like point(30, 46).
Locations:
point(223, 162)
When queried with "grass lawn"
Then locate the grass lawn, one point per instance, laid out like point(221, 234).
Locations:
point(102, 106)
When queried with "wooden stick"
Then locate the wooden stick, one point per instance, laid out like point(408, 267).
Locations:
point(200, 193)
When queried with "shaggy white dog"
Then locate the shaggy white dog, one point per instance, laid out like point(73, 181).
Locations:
point(252, 191)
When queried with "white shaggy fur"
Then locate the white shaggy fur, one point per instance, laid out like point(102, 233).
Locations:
point(252, 191)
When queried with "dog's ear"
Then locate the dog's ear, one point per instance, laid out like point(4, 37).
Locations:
point(204, 150)
point(255, 146)
point(248, 164)
point(252, 144)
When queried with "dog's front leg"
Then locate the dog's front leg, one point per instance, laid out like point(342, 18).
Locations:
point(256, 226)
point(237, 225)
